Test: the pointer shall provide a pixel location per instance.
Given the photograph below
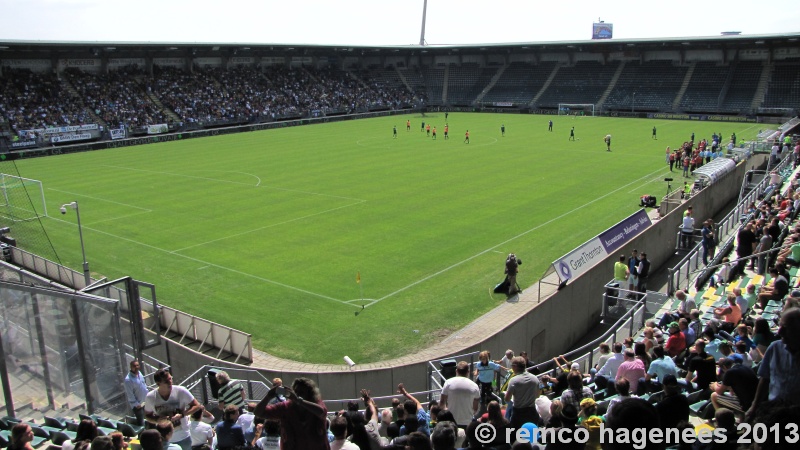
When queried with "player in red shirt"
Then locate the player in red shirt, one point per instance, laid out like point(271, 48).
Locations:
point(466, 137)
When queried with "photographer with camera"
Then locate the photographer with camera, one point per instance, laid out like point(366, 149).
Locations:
point(512, 268)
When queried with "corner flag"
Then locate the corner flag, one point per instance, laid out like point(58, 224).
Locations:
point(358, 277)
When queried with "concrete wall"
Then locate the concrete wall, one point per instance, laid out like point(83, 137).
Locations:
point(550, 327)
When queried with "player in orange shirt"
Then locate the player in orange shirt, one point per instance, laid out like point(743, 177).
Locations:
point(408, 125)
point(446, 129)
point(466, 137)
point(434, 133)
point(428, 130)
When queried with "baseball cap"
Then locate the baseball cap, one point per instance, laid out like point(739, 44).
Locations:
point(588, 403)
point(673, 324)
point(576, 366)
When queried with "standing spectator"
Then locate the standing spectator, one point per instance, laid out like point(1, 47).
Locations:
point(633, 262)
point(485, 372)
point(230, 392)
point(523, 389)
point(687, 232)
point(746, 240)
point(461, 395)
point(136, 391)
point(620, 271)
point(709, 241)
point(302, 417)
point(643, 271)
point(173, 403)
point(779, 370)
point(229, 433)
point(701, 369)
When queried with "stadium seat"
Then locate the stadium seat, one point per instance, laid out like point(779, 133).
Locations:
point(5, 438)
point(128, 430)
point(58, 437)
point(53, 422)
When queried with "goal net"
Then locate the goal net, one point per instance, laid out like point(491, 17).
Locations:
point(21, 199)
point(576, 109)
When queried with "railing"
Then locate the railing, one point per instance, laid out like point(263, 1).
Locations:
point(210, 334)
point(690, 266)
point(627, 325)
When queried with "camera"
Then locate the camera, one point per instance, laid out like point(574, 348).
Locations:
point(63, 209)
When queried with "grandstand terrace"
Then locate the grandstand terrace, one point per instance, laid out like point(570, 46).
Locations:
point(194, 86)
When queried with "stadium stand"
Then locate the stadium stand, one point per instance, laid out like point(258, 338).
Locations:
point(741, 87)
point(465, 82)
point(704, 88)
point(784, 86)
point(519, 83)
point(655, 84)
point(584, 82)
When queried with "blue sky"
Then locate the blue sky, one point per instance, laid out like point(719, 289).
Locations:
point(379, 22)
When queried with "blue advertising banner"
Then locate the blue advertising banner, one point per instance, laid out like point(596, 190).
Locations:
point(588, 255)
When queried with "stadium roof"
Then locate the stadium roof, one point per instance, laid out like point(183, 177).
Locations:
point(23, 48)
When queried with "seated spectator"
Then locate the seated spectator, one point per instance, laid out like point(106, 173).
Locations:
point(673, 406)
point(268, 435)
point(737, 387)
point(229, 433)
point(87, 431)
point(659, 369)
point(701, 369)
point(589, 419)
point(730, 314)
point(566, 418)
point(657, 333)
point(676, 342)
point(151, 440)
point(609, 369)
point(779, 289)
point(444, 434)
point(623, 387)
point(166, 429)
point(200, 432)
point(633, 413)
point(650, 341)
point(631, 369)
point(576, 390)
point(414, 407)
point(685, 306)
point(21, 437)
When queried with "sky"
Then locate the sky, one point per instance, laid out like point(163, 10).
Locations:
point(381, 22)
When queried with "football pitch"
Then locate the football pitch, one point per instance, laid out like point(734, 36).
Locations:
point(269, 232)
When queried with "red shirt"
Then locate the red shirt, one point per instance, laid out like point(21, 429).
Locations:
point(675, 344)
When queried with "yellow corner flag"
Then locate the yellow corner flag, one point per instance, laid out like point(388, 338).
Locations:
point(358, 277)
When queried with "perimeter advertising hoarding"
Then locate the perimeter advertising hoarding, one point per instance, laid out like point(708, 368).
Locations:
point(602, 30)
point(588, 255)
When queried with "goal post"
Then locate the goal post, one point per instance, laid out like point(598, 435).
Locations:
point(576, 109)
point(21, 199)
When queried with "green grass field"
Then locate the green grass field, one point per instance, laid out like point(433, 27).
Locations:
point(265, 232)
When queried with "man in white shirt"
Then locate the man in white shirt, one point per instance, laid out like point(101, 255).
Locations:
point(173, 403)
point(687, 231)
point(461, 395)
point(609, 369)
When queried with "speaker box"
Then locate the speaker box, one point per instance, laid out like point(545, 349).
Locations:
point(212, 381)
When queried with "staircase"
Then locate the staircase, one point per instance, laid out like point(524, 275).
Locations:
point(545, 86)
point(403, 79)
point(726, 87)
point(761, 89)
point(174, 117)
point(491, 84)
point(444, 83)
point(67, 85)
point(686, 79)
point(611, 85)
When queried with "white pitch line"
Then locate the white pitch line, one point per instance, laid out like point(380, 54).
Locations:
point(210, 264)
point(267, 226)
point(118, 217)
point(249, 174)
point(100, 199)
point(507, 240)
point(233, 182)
